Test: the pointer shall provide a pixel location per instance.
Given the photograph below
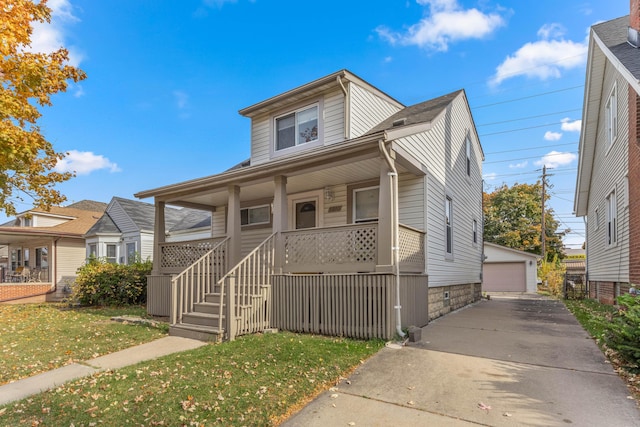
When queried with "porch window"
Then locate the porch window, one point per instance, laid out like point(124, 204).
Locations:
point(297, 128)
point(131, 252)
point(366, 204)
point(255, 215)
point(612, 219)
point(111, 254)
point(448, 213)
point(611, 115)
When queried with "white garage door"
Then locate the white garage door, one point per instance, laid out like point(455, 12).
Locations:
point(504, 277)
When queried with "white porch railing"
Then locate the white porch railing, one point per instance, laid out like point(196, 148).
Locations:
point(199, 279)
point(177, 256)
point(347, 248)
point(246, 292)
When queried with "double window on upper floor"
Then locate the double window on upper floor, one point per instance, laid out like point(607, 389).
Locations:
point(297, 128)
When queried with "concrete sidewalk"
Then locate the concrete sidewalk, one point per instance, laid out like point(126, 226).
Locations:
point(48, 380)
point(504, 362)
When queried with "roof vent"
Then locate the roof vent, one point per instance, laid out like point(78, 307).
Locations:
point(633, 37)
point(399, 122)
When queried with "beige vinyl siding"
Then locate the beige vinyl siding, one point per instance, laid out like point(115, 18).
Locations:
point(218, 222)
point(252, 238)
point(442, 150)
point(333, 118)
point(338, 205)
point(69, 257)
point(367, 110)
point(411, 201)
point(260, 139)
point(47, 221)
point(121, 219)
point(145, 247)
point(609, 263)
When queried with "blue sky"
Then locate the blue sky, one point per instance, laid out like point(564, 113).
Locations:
point(166, 79)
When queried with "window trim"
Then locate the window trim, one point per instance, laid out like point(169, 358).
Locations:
point(255, 224)
point(448, 230)
point(354, 209)
point(126, 252)
point(319, 103)
point(474, 232)
point(596, 213)
point(106, 253)
point(350, 193)
point(468, 155)
point(611, 234)
point(611, 116)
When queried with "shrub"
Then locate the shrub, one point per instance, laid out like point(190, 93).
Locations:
point(623, 332)
point(552, 273)
point(103, 283)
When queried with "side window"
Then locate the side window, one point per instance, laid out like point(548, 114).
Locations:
point(297, 128)
point(468, 155)
point(612, 219)
point(448, 213)
point(611, 115)
point(131, 252)
point(112, 254)
point(255, 215)
point(365, 202)
point(474, 231)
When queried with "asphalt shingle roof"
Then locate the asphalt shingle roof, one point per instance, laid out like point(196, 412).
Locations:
point(614, 35)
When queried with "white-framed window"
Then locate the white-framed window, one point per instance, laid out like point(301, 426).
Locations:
point(365, 204)
point(474, 231)
point(612, 219)
point(297, 127)
point(131, 252)
point(255, 215)
point(468, 155)
point(448, 214)
point(611, 115)
point(597, 218)
point(93, 250)
point(112, 254)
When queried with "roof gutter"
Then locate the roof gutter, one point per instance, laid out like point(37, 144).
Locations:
point(395, 246)
point(347, 108)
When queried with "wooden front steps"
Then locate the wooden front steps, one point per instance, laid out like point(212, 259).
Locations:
point(202, 323)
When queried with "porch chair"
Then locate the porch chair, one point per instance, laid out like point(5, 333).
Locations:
point(26, 275)
point(16, 275)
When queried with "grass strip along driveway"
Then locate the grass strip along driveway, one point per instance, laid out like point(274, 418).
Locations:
point(39, 337)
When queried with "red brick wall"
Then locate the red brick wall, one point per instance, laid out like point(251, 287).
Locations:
point(634, 187)
point(634, 15)
point(9, 292)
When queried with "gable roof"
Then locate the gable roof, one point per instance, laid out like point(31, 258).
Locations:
point(607, 44)
point(143, 216)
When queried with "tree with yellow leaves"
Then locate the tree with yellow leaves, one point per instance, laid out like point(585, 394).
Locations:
point(27, 159)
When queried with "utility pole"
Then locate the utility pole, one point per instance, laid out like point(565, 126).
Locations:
point(543, 239)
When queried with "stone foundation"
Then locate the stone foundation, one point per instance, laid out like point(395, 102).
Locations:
point(445, 299)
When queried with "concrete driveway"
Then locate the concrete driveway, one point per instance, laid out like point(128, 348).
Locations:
point(504, 362)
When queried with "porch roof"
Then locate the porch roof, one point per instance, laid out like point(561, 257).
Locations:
point(350, 161)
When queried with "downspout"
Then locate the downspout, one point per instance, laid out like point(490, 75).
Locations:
point(586, 257)
point(395, 248)
point(347, 108)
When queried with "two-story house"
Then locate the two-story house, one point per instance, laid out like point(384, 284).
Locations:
point(608, 181)
point(355, 215)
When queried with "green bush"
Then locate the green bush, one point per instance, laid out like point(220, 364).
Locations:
point(103, 283)
point(623, 333)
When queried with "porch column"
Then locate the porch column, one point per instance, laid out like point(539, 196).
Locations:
point(280, 218)
point(233, 225)
point(385, 220)
point(159, 236)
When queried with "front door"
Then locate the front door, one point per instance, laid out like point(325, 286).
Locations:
point(306, 214)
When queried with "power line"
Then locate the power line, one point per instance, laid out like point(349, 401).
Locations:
point(530, 117)
point(530, 148)
point(529, 158)
point(526, 97)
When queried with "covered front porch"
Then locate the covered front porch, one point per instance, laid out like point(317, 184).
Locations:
point(299, 245)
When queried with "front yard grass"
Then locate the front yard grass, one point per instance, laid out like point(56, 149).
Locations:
point(254, 380)
point(39, 337)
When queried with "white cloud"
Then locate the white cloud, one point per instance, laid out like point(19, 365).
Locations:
point(555, 159)
point(49, 37)
point(182, 99)
point(490, 176)
point(552, 136)
point(571, 126)
point(218, 3)
point(85, 162)
point(544, 59)
point(447, 23)
point(519, 165)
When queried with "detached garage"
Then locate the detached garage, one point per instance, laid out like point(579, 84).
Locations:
point(508, 270)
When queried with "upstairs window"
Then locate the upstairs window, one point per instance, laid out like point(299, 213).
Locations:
point(474, 231)
point(297, 128)
point(611, 115)
point(448, 213)
point(468, 151)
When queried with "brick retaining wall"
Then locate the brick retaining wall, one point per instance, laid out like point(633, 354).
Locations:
point(10, 291)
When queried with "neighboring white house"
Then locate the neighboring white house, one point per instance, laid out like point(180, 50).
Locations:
point(124, 233)
point(509, 270)
point(608, 180)
point(358, 215)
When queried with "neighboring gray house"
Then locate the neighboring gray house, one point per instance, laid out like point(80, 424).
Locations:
point(355, 216)
point(509, 270)
point(608, 180)
point(125, 231)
